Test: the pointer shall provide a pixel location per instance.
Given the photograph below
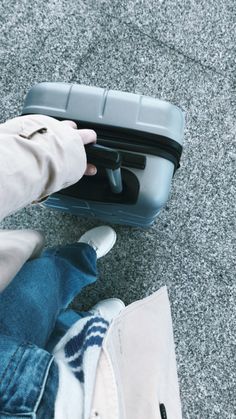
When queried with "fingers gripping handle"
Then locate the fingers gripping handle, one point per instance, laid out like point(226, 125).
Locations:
point(110, 160)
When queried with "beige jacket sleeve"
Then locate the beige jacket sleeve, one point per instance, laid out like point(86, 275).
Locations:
point(38, 156)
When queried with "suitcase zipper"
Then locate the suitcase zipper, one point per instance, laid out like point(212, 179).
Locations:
point(136, 141)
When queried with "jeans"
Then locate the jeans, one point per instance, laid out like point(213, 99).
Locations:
point(32, 320)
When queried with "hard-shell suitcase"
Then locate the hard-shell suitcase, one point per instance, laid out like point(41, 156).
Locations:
point(139, 148)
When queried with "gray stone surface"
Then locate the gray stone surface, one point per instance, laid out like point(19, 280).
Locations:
point(181, 52)
point(203, 31)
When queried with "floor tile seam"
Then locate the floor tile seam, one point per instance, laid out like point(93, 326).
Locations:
point(170, 47)
point(182, 54)
point(82, 60)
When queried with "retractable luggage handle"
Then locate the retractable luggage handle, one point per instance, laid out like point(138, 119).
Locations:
point(110, 160)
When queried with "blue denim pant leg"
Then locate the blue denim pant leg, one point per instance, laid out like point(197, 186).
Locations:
point(28, 380)
point(64, 321)
point(29, 309)
point(44, 287)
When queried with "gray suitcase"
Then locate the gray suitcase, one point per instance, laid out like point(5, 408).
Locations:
point(139, 148)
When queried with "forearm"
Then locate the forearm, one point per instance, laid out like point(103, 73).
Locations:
point(38, 156)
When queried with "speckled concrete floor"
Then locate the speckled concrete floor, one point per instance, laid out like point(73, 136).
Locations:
point(183, 52)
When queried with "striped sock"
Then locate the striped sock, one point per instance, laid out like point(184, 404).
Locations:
point(78, 351)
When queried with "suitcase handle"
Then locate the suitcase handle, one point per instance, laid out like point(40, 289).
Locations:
point(103, 156)
point(110, 160)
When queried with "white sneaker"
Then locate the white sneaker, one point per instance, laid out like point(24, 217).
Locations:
point(102, 239)
point(108, 308)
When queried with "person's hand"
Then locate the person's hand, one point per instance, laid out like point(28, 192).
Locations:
point(87, 136)
point(39, 156)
